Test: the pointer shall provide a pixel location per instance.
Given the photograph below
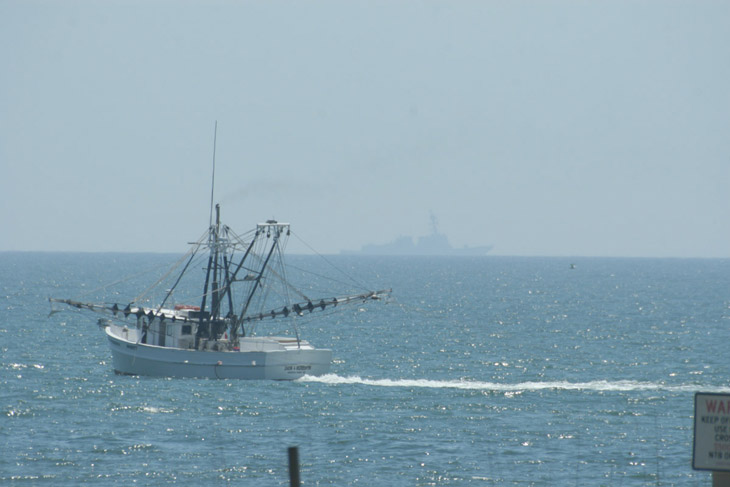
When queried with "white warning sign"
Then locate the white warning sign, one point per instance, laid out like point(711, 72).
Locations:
point(712, 432)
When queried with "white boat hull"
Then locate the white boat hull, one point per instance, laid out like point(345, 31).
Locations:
point(258, 358)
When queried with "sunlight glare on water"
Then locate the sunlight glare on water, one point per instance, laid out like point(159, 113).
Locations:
point(492, 371)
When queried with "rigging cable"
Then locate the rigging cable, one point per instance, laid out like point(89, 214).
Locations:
point(354, 281)
point(212, 185)
point(177, 264)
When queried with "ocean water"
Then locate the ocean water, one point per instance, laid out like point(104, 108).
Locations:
point(480, 371)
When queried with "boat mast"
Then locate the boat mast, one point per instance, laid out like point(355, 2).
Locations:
point(213, 245)
point(215, 301)
point(274, 244)
point(230, 279)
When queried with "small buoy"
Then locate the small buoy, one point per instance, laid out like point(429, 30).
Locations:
point(219, 363)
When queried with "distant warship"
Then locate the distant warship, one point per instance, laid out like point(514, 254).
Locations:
point(435, 244)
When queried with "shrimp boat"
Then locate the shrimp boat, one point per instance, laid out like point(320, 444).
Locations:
point(217, 338)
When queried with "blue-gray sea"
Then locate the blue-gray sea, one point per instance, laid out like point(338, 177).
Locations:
point(479, 371)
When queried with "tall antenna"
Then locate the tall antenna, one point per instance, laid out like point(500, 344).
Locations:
point(212, 184)
point(434, 223)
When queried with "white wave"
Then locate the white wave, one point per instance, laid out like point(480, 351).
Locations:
point(596, 386)
point(155, 410)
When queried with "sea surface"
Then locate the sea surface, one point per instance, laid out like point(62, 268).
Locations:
point(478, 372)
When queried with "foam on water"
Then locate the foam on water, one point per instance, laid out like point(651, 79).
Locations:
point(594, 386)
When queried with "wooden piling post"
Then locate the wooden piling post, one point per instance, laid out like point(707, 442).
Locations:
point(720, 479)
point(294, 466)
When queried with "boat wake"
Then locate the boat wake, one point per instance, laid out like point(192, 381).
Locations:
point(593, 386)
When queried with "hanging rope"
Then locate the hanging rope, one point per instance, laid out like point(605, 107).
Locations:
point(192, 251)
point(354, 281)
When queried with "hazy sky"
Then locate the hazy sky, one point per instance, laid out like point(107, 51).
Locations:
point(561, 128)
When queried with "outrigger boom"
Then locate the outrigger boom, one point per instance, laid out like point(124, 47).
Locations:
point(298, 308)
